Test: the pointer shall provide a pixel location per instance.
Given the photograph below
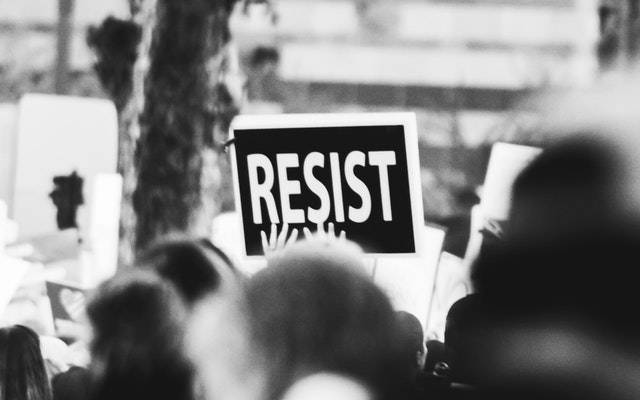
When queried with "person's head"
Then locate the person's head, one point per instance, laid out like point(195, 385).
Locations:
point(568, 260)
point(412, 341)
point(313, 309)
point(466, 338)
point(195, 266)
point(572, 186)
point(327, 386)
point(22, 372)
point(567, 223)
point(219, 343)
point(136, 348)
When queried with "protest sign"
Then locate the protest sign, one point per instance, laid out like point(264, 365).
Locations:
point(452, 283)
point(409, 288)
point(104, 228)
point(67, 302)
point(357, 171)
point(505, 164)
point(63, 142)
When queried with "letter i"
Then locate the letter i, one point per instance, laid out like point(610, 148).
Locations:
point(336, 182)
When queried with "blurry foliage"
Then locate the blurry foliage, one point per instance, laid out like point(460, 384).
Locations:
point(115, 43)
point(619, 43)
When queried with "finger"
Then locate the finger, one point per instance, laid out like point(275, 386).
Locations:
point(320, 231)
point(283, 235)
point(293, 237)
point(265, 244)
point(343, 236)
point(331, 232)
point(273, 236)
point(307, 233)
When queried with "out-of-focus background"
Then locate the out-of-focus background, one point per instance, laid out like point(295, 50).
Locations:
point(461, 65)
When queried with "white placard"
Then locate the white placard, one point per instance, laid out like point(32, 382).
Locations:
point(56, 136)
point(409, 281)
point(452, 283)
point(506, 162)
point(104, 228)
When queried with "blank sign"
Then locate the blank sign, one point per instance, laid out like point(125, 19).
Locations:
point(56, 136)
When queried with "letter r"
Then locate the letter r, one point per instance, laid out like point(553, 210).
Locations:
point(261, 190)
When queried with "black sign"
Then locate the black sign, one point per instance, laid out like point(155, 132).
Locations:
point(357, 177)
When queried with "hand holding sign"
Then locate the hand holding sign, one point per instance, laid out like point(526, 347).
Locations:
point(358, 172)
point(277, 242)
point(320, 234)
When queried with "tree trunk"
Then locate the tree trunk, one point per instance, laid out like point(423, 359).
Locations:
point(122, 48)
point(143, 15)
point(177, 156)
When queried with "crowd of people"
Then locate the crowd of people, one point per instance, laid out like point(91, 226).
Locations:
point(552, 315)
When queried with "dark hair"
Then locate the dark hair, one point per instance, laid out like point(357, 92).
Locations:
point(411, 329)
point(312, 311)
point(571, 186)
point(411, 341)
point(466, 337)
point(136, 349)
point(22, 372)
point(191, 265)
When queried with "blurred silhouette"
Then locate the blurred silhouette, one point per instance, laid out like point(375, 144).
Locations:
point(73, 384)
point(314, 310)
point(22, 371)
point(435, 354)
point(467, 328)
point(196, 267)
point(412, 341)
point(67, 197)
point(558, 292)
point(137, 322)
point(413, 353)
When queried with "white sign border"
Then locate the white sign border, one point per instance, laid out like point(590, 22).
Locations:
point(284, 121)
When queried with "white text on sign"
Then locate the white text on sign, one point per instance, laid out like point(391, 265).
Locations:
point(382, 160)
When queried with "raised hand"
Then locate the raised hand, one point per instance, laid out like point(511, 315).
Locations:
point(321, 234)
point(277, 242)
